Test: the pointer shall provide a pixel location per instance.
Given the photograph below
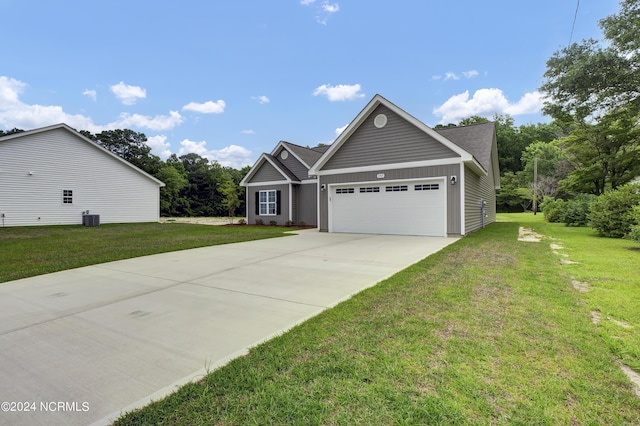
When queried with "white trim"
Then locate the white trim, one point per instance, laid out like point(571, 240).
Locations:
point(290, 202)
point(308, 181)
point(257, 165)
point(463, 214)
point(318, 208)
point(273, 182)
point(394, 166)
point(362, 116)
point(443, 180)
point(281, 144)
point(260, 203)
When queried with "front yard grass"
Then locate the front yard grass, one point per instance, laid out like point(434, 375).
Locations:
point(30, 251)
point(488, 331)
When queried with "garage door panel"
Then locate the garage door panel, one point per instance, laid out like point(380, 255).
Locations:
point(405, 210)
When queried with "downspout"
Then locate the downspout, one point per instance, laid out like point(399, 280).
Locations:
point(483, 205)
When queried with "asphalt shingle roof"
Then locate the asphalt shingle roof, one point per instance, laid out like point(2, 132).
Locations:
point(476, 139)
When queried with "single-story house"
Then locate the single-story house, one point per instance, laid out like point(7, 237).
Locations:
point(279, 186)
point(54, 176)
point(387, 173)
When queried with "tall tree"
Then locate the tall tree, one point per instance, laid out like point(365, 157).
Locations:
point(588, 80)
point(604, 155)
point(129, 145)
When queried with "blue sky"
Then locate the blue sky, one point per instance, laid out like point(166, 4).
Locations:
point(229, 79)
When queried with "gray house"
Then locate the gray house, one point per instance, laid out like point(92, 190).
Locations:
point(388, 173)
point(279, 186)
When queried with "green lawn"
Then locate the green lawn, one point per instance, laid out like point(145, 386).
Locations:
point(29, 251)
point(488, 331)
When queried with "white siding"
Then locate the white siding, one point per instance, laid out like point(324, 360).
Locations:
point(58, 159)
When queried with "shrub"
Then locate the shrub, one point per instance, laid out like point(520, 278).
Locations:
point(273, 222)
point(635, 230)
point(576, 210)
point(259, 221)
point(302, 223)
point(242, 222)
point(612, 214)
point(288, 223)
point(553, 209)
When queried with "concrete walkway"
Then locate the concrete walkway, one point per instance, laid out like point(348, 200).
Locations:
point(84, 345)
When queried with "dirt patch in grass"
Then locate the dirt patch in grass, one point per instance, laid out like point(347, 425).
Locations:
point(197, 220)
point(582, 287)
point(529, 235)
point(633, 376)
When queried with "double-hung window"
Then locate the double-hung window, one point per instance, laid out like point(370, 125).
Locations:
point(268, 203)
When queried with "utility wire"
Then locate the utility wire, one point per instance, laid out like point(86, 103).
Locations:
point(574, 22)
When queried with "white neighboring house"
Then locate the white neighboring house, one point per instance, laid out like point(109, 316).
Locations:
point(53, 175)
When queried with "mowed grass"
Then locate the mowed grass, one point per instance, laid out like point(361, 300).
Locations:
point(29, 251)
point(608, 271)
point(487, 331)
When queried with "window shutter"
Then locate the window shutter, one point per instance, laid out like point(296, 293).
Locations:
point(258, 203)
point(278, 202)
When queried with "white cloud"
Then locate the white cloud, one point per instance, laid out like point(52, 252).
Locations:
point(453, 76)
point(159, 146)
point(208, 107)
point(127, 94)
point(341, 92)
point(339, 130)
point(10, 90)
point(91, 94)
point(330, 8)
point(231, 156)
point(486, 103)
point(248, 132)
point(324, 10)
point(261, 99)
point(15, 113)
point(156, 123)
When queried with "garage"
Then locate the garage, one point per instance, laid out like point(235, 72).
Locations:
point(415, 207)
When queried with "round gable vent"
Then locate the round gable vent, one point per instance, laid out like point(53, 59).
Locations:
point(284, 154)
point(380, 121)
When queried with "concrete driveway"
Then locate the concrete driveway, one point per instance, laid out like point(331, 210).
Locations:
point(84, 345)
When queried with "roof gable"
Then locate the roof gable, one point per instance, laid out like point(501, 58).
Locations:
point(268, 169)
point(84, 139)
point(439, 146)
point(307, 156)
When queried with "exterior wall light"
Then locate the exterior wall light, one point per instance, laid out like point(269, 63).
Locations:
point(453, 180)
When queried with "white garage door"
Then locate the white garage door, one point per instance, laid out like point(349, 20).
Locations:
point(405, 208)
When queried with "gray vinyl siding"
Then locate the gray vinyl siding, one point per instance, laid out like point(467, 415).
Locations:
point(284, 208)
point(453, 191)
point(295, 191)
point(308, 204)
point(478, 188)
point(58, 160)
point(267, 173)
point(398, 142)
point(295, 166)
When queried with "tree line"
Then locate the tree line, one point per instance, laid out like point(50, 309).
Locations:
point(194, 186)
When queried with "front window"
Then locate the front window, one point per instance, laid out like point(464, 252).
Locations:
point(268, 203)
point(67, 196)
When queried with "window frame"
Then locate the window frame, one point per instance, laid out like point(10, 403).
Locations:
point(269, 204)
point(67, 197)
